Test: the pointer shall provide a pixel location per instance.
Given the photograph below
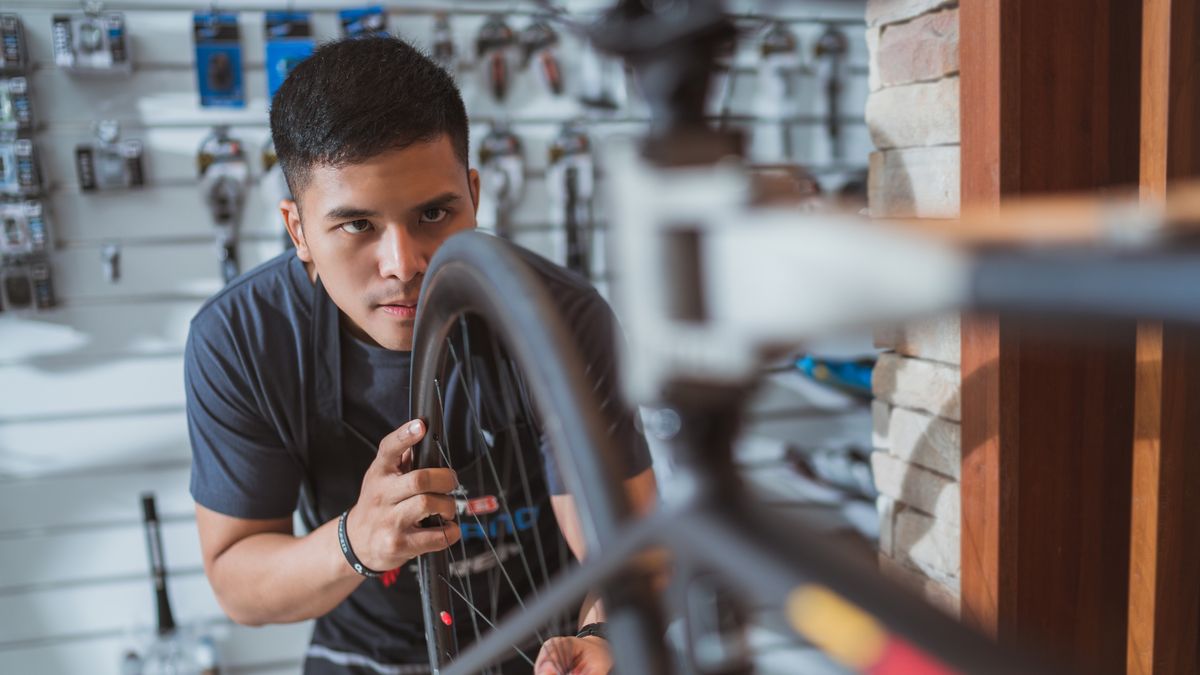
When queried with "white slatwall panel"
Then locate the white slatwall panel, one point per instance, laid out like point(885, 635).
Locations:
point(91, 407)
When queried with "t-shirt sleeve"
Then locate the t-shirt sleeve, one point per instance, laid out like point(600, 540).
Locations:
point(240, 466)
point(598, 335)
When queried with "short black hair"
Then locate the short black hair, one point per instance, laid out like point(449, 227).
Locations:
point(357, 98)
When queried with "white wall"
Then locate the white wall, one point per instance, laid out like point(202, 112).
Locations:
point(91, 403)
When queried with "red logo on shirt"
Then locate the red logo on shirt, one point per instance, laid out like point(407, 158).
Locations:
point(389, 577)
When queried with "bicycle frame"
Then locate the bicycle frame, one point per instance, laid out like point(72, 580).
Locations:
point(716, 518)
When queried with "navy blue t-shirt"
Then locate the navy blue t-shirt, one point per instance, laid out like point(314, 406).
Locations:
point(253, 369)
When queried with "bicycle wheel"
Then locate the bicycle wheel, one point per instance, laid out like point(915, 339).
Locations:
point(500, 385)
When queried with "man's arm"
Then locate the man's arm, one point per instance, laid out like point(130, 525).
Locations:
point(262, 573)
point(590, 653)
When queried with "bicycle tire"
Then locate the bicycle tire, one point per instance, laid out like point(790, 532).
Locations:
point(482, 279)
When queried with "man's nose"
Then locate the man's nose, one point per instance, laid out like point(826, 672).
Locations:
point(400, 254)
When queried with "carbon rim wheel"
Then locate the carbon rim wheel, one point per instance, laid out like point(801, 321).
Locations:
point(490, 352)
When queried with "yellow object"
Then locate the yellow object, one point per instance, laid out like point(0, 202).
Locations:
point(843, 631)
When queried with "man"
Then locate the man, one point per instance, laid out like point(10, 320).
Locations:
point(297, 373)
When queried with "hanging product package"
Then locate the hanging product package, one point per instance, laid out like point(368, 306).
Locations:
point(109, 163)
point(19, 173)
point(363, 21)
point(16, 109)
point(224, 179)
point(219, 60)
point(289, 41)
point(92, 43)
point(23, 230)
point(13, 54)
point(24, 270)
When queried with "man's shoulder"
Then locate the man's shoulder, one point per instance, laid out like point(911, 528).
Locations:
point(257, 306)
point(567, 287)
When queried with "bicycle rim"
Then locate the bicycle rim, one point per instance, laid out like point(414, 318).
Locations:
point(490, 359)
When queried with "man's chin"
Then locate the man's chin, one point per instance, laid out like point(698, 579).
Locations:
point(398, 336)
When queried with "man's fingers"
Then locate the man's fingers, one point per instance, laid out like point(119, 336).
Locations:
point(556, 657)
point(421, 481)
point(419, 507)
point(394, 445)
point(406, 461)
point(429, 539)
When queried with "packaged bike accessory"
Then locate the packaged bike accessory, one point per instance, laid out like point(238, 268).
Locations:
point(13, 55)
point(539, 46)
point(571, 179)
point(25, 283)
point(502, 175)
point(16, 109)
point(363, 21)
point(22, 229)
point(219, 60)
point(92, 42)
point(19, 172)
point(289, 41)
point(109, 163)
point(224, 177)
point(444, 52)
point(494, 47)
point(24, 270)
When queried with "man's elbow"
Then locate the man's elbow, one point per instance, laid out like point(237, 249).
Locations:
point(234, 604)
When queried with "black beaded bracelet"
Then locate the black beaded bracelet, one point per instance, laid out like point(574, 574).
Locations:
point(349, 552)
point(598, 629)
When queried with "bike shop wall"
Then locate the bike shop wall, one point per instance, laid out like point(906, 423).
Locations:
point(912, 112)
point(91, 406)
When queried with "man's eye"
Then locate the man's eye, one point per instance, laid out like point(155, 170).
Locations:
point(357, 226)
point(434, 215)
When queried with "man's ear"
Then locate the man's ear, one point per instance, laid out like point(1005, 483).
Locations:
point(473, 179)
point(291, 219)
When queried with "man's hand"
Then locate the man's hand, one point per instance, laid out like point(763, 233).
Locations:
point(574, 656)
point(383, 527)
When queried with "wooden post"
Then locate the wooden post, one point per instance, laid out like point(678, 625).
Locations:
point(1050, 101)
point(1164, 598)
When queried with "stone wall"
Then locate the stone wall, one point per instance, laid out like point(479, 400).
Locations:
point(913, 117)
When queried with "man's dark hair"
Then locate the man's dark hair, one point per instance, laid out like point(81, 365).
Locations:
point(356, 98)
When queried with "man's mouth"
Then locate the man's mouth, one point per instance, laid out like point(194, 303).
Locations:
point(400, 310)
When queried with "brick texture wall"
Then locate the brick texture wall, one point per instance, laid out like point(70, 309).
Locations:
point(912, 113)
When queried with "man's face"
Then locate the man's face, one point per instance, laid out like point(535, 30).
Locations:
point(370, 229)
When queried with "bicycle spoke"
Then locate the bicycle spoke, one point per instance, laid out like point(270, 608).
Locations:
point(518, 439)
point(464, 580)
point(489, 623)
point(488, 541)
point(492, 466)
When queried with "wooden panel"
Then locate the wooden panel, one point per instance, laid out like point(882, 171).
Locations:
point(1049, 102)
point(1164, 600)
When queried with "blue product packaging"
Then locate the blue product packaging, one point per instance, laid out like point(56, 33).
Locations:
point(289, 41)
point(363, 21)
point(219, 60)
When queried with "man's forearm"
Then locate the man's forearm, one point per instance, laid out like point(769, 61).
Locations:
point(274, 577)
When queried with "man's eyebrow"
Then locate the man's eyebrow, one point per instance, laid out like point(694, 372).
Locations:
point(349, 213)
point(444, 199)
